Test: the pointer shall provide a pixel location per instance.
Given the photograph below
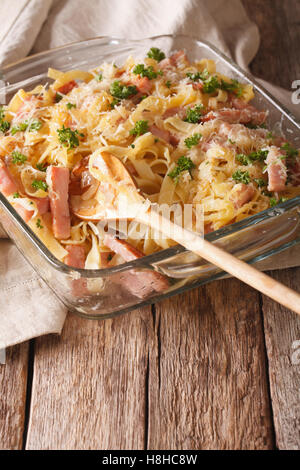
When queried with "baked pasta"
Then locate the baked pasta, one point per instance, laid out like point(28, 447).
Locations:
point(186, 133)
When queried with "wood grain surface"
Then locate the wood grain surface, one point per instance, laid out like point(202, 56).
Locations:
point(215, 368)
point(13, 380)
point(90, 385)
point(282, 332)
point(208, 382)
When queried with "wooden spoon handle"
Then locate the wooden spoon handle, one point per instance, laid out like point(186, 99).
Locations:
point(224, 260)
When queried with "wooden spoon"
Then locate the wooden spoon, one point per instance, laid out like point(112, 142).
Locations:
point(110, 170)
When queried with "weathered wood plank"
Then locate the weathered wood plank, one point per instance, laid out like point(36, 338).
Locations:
point(207, 382)
point(13, 379)
point(278, 22)
point(89, 386)
point(278, 57)
point(282, 330)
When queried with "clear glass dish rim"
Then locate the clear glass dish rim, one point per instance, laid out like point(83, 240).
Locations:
point(166, 253)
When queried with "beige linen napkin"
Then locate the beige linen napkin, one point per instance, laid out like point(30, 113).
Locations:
point(27, 307)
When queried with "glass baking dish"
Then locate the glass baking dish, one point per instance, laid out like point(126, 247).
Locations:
point(104, 293)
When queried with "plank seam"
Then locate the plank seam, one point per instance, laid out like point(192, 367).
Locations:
point(273, 430)
point(30, 371)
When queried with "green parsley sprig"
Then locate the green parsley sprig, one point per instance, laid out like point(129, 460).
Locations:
point(156, 54)
point(183, 164)
point(18, 158)
point(69, 138)
point(29, 126)
point(258, 156)
point(193, 140)
point(193, 115)
point(148, 72)
point(140, 128)
point(40, 184)
point(240, 176)
point(121, 91)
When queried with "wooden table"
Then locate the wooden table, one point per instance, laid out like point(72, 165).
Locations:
point(216, 368)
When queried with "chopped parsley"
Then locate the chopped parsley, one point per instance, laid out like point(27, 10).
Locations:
point(260, 182)
point(143, 71)
point(290, 151)
point(183, 164)
point(211, 84)
point(168, 84)
point(58, 97)
point(99, 77)
point(69, 138)
point(156, 54)
point(41, 167)
point(121, 91)
point(140, 128)
point(28, 126)
point(193, 115)
point(132, 146)
point(241, 177)
point(193, 140)
point(18, 158)
point(259, 156)
point(195, 77)
point(274, 201)
point(4, 125)
point(114, 103)
point(39, 184)
point(70, 105)
point(269, 135)
point(38, 224)
point(232, 87)
point(231, 142)
point(16, 195)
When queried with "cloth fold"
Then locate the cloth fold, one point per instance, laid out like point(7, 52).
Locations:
point(27, 307)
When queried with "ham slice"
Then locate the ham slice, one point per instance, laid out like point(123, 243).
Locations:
point(140, 283)
point(241, 194)
point(67, 87)
point(76, 259)
point(244, 114)
point(42, 206)
point(173, 111)
point(164, 135)
point(76, 256)
point(143, 84)
point(277, 172)
point(122, 248)
point(42, 203)
point(7, 184)
point(58, 182)
point(175, 60)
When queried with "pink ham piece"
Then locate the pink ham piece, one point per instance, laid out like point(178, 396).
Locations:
point(173, 111)
point(122, 248)
point(277, 172)
point(76, 259)
point(241, 194)
point(174, 60)
point(143, 84)
point(67, 87)
point(164, 135)
point(42, 204)
point(140, 283)
point(7, 184)
point(235, 116)
point(58, 181)
point(24, 213)
point(42, 207)
point(76, 256)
